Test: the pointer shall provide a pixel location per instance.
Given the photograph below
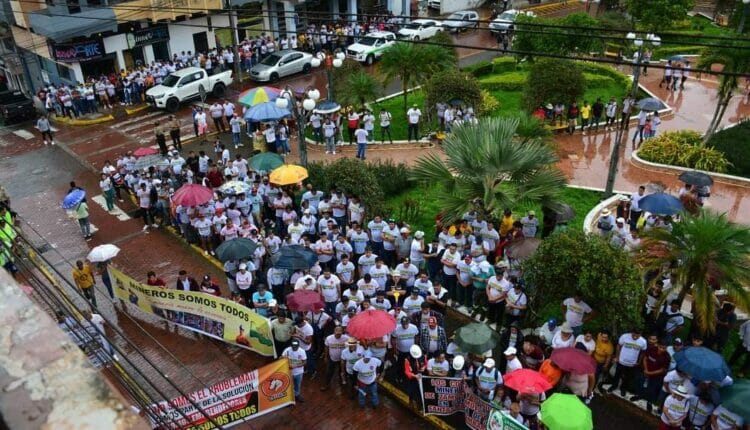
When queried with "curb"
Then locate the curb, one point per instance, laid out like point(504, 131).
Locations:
point(137, 109)
point(370, 146)
point(83, 122)
point(666, 168)
point(593, 214)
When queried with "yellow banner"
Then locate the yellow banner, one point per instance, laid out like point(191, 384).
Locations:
point(203, 313)
point(229, 402)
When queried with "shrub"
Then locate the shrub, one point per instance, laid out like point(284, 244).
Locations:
point(504, 64)
point(392, 177)
point(572, 261)
point(685, 149)
point(553, 80)
point(347, 174)
point(733, 142)
point(479, 69)
point(341, 75)
point(663, 53)
point(597, 81)
point(488, 105)
point(513, 81)
point(444, 39)
point(452, 84)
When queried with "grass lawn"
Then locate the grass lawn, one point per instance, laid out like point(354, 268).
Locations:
point(419, 205)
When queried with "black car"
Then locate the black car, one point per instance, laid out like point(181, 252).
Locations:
point(16, 107)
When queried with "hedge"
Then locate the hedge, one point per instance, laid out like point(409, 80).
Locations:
point(733, 142)
point(597, 81)
point(663, 53)
point(504, 64)
point(513, 81)
point(481, 68)
point(683, 148)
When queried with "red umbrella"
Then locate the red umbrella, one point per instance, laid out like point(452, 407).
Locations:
point(141, 152)
point(371, 324)
point(193, 195)
point(574, 360)
point(305, 300)
point(527, 381)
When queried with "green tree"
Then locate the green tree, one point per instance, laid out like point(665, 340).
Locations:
point(733, 59)
point(340, 76)
point(452, 84)
point(553, 81)
point(533, 38)
point(572, 261)
point(487, 168)
point(654, 15)
point(705, 246)
point(444, 40)
point(358, 89)
point(413, 64)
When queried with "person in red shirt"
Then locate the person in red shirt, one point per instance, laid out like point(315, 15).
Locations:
point(210, 287)
point(414, 367)
point(214, 176)
point(655, 363)
point(155, 281)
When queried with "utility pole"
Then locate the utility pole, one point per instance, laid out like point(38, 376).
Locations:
point(232, 12)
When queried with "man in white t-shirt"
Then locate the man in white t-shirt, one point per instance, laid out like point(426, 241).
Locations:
point(438, 365)
point(576, 312)
point(329, 286)
point(366, 374)
point(724, 419)
point(629, 349)
point(402, 338)
point(297, 360)
point(362, 136)
point(413, 116)
point(334, 345)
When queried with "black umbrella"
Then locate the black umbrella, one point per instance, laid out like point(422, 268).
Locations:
point(236, 249)
point(650, 104)
point(699, 179)
point(564, 213)
point(294, 257)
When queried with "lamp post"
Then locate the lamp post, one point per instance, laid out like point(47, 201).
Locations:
point(286, 101)
point(741, 28)
point(333, 61)
point(614, 158)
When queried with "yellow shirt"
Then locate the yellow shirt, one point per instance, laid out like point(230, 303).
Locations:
point(506, 225)
point(585, 112)
point(83, 278)
point(603, 350)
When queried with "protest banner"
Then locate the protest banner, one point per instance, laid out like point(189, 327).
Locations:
point(441, 396)
point(200, 312)
point(228, 402)
point(500, 420)
point(476, 410)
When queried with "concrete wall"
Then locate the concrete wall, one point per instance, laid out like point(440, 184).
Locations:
point(116, 44)
point(181, 36)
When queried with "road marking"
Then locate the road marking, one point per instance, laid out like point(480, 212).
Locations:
point(23, 134)
point(92, 228)
point(117, 212)
point(138, 118)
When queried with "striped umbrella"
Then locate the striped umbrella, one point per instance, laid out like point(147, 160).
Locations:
point(258, 95)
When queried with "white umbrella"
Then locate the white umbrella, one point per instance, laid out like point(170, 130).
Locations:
point(103, 253)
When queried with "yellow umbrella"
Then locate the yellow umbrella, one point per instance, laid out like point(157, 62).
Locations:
point(288, 174)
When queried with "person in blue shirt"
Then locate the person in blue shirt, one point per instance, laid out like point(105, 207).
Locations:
point(261, 298)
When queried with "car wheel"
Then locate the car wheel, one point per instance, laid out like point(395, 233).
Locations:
point(172, 105)
point(219, 90)
point(369, 60)
point(274, 77)
point(416, 38)
point(306, 68)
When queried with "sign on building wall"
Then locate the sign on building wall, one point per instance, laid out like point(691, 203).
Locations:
point(148, 36)
point(77, 52)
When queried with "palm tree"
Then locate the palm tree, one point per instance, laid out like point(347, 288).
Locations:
point(705, 246)
point(358, 89)
point(487, 168)
point(733, 60)
point(413, 64)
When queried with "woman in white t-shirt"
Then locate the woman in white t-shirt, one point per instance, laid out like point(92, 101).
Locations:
point(675, 409)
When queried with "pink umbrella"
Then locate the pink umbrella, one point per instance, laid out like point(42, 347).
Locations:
point(141, 152)
point(527, 381)
point(573, 360)
point(193, 195)
point(371, 324)
point(305, 300)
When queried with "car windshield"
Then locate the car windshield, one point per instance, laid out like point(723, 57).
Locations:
point(507, 16)
point(369, 41)
point(456, 17)
point(414, 25)
point(271, 60)
point(170, 81)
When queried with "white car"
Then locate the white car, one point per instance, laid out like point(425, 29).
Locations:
point(371, 47)
point(282, 63)
point(420, 29)
point(505, 21)
point(461, 20)
point(185, 84)
point(433, 4)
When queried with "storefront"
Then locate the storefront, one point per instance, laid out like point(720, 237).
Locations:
point(86, 59)
point(153, 39)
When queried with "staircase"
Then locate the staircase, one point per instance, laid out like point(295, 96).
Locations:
point(705, 7)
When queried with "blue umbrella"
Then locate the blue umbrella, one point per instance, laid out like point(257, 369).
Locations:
point(265, 112)
point(661, 204)
point(327, 107)
point(294, 257)
point(73, 199)
point(650, 103)
point(701, 363)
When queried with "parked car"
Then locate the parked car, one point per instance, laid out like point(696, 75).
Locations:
point(185, 84)
point(461, 20)
point(280, 64)
point(420, 29)
point(371, 47)
point(433, 4)
point(15, 107)
point(505, 21)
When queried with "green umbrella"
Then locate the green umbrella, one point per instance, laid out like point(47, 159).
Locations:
point(477, 338)
point(266, 161)
point(236, 249)
point(736, 398)
point(566, 412)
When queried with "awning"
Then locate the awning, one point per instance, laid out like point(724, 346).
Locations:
point(83, 24)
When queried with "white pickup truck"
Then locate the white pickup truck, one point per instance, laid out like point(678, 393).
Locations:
point(185, 84)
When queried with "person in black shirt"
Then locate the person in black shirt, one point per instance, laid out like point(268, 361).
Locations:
point(597, 109)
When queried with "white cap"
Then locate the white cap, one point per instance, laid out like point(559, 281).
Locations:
point(458, 362)
point(404, 230)
point(415, 351)
point(419, 234)
point(243, 266)
point(621, 220)
point(510, 351)
point(489, 363)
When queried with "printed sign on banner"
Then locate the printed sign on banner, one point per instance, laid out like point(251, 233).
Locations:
point(229, 402)
point(476, 410)
point(204, 313)
point(500, 420)
point(441, 396)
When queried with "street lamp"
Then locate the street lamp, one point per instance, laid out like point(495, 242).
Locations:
point(741, 28)
point(286, 100)
point(614, 159)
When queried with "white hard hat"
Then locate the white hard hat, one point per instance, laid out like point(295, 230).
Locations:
point(415, 351)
